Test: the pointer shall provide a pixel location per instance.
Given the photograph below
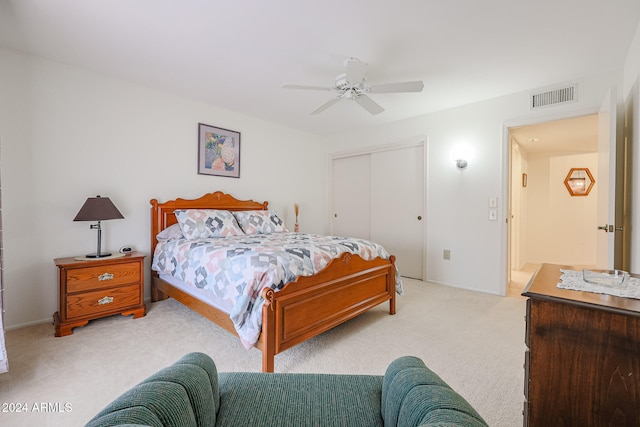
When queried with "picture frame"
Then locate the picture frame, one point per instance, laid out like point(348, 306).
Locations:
point(218, 151)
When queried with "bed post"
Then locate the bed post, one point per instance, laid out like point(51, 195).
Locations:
point(392, 284)
point(156, 226)
point(268, 331)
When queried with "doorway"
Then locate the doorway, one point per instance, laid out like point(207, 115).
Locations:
point(546, 222)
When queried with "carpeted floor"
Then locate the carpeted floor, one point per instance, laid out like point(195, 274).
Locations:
point(474, 341)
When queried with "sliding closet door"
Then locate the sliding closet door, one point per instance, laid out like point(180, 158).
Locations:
point(379, 196)
point(397, 203)
point(351, 194)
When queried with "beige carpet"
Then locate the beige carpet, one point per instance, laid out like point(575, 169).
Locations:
point(474, 341)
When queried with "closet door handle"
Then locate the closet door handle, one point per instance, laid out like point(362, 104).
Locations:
point(419, 217)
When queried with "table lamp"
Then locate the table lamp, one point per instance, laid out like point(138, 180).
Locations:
point(98, 209)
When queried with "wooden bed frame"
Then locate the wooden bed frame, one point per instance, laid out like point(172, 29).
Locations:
point(347, 287)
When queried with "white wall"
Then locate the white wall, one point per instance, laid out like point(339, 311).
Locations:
point(457, 200)
point(632, 63)
point(67, 134)
point(631, 93)
point(560, 227)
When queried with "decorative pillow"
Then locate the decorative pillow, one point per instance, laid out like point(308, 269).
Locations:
point(205, 223)
point(172, 232)
point(259, 222)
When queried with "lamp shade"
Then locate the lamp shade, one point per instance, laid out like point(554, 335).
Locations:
point(98, 209)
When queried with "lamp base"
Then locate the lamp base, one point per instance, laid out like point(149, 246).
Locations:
point(100, 255)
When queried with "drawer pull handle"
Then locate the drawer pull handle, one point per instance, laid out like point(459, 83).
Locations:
point(105, 276)
point(105, 300)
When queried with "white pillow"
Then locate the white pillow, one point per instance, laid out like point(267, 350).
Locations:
point(172, 232)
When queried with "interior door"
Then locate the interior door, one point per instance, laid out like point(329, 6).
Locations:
point(610, 196)
point(397, 203)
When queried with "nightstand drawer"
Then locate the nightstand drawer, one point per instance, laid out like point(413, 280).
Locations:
point(85, 279)
point(92, 303)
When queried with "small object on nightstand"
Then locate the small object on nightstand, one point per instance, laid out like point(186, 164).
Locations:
point(91, 289)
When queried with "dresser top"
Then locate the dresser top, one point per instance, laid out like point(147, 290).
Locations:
point(543, 286)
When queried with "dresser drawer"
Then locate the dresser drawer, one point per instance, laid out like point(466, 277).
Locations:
point(99, 277)
point(96, 302)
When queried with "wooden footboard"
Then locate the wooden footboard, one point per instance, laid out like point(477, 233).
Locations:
point(347, 287)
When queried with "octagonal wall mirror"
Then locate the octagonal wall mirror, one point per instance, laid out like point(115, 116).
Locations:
point(579, 181)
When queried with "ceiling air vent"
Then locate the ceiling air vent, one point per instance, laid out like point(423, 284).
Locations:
point(548, 97)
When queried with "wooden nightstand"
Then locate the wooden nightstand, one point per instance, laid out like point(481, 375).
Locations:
point(90, 289)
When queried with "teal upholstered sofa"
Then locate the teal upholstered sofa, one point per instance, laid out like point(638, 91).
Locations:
point(192, 393)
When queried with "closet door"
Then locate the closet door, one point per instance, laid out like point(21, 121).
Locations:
point(397, 204)
point(379, 196)
point(351, 196)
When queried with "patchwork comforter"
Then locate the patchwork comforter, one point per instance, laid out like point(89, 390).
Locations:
point(238, 268)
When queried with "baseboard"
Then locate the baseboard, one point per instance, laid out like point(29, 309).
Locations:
point(27, 324)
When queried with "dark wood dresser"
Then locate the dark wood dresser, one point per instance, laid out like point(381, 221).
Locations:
point(582, 366)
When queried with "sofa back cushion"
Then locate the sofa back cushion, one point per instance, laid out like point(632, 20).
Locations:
point(285, 399)
point(413, 395)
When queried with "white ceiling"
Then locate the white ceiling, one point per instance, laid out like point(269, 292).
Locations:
point(236, 54)
point(567, 136)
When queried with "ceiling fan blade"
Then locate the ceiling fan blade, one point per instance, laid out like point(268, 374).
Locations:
point(369, 104)
point(326, 105)
point(356, 70)
point(306, 87)
point(415, 86)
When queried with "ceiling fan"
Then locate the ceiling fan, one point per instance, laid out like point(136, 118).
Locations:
point(353, 85)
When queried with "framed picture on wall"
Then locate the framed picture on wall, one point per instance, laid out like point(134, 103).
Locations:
point(218, 151)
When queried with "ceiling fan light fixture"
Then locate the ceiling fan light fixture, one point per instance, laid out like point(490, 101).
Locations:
point(353, 85)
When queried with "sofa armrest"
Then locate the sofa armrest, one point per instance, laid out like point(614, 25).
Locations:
point(183, 394)
point(413, 395)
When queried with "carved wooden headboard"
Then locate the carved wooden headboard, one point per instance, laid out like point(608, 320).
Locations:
point(163, 216)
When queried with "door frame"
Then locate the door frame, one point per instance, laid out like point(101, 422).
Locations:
point(420, 140)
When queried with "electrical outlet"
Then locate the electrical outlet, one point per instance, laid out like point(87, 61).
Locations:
point(446, 254)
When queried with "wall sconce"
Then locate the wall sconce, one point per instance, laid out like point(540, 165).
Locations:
point(460, 155)
point(579, 181)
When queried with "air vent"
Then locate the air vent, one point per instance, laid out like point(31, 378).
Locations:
point(557, 96)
